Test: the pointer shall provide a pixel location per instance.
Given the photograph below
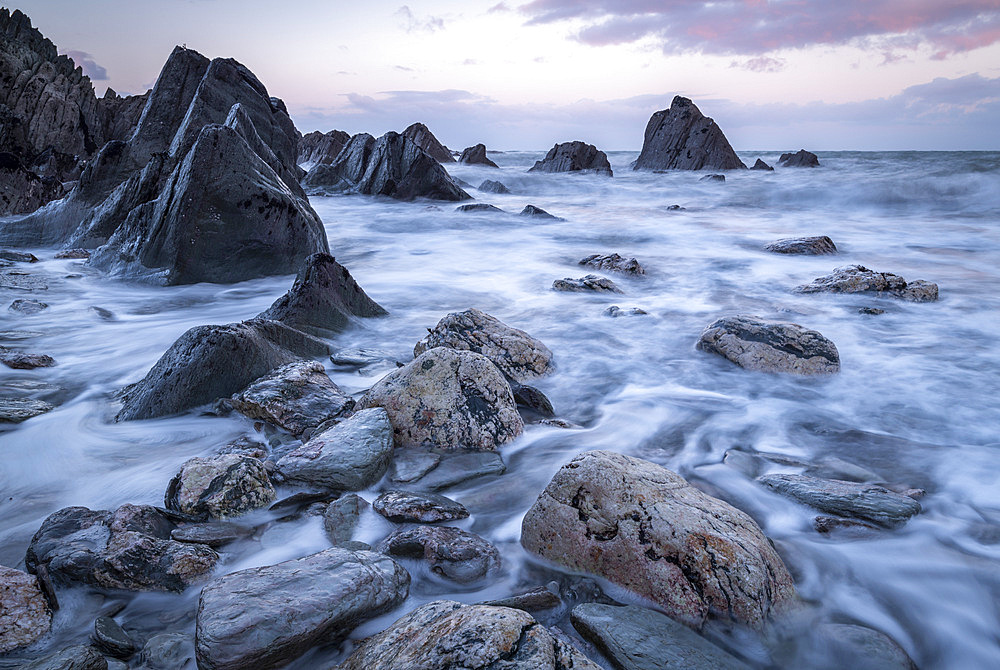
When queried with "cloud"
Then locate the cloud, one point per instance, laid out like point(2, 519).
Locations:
point(749, 27)
point(90, 68)
point(760, 64)
point(499, 7)
point(410, 22)
point(403, 68)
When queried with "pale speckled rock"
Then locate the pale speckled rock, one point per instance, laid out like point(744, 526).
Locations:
point(800, 158)
point(616, 312)
point(447, 398)
point(78, 657)
point(812, 246)
point(24, 615)
point(859, 279)
point(770, 346)
point(219, 487)
point(614, 263)
point(453, 553)
point(586, 283)
point(682, 138)
point(265, 617)
point(646, 529)
point(407, 506)
point(574, 157)
point(350, 456)
point(476, 155)
point(517, 354)
point(421, 135)
point(446, 635)
point(867, 502)
point(297, 397)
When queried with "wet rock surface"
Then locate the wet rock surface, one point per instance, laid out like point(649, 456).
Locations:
point(682, 138)
point(168, 651)
point(219, 487)
point(408, 506)
point(112, 639)
point(646, 529)
point(614, 263)
point(615, 312)
point(213, 534)
point(341, 517)
point(859, 279)
point(770, 346)
point(434, 470)
point(16, 410)
point(20, 360)
point(421, 135)
point(490, 186)
point(321, 148)
point(476, 155)
point(761, 165)
point(535, 600)
point(587, 283)
point(24, 613)
point(257, 618)
point(867, 502)
point(453, 553)
point(800, 158)
point(27, 306)
point(479, 207)
point(78, 657)
point(574, 157)
point(537, 213)
point(447, 398)
point(811, 246)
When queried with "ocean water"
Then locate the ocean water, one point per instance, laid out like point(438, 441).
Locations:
point(916, 400)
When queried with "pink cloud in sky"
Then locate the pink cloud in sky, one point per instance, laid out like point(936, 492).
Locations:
point(749, 27)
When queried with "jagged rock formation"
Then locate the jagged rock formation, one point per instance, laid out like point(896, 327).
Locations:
point(800, 158)
point(421, 135)
point(476, 156)
point(318, 148)
point(761, 165)
point(574, 157)
point(392, 165)
point(682, 138)
point(21, 190)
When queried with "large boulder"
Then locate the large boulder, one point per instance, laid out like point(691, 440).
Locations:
point(859, 279)
point(24, 614)
point(868, 502)
point(800, 158)
point(218, 487)
point(769, 346)
point(646, 529)
point(447, 398)
point(129, 548)
point(265, 617)
point(682, 138)
point(211, 362)
point(323, 299)
point(517, 354)
point(421, 135)
point(446, 635)
point(476, 155)
point(574, 157)
point(318, 148)
point(392, 165)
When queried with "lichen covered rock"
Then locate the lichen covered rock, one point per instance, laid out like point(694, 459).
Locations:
point(768, 346)
point(219, 487)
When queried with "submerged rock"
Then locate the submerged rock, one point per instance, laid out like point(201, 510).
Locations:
point(867, 502)
point(859, 279)
point(445, 634)
point(447, 398)
point(812, 246)
point(800, 158)
point(453, 553)
point(476, 155)
point(646, 529)
point(615, 312)
point(421, 135)
point(587, 283)
point(426, 470)
point(219, 487)
point(714, 177)
point(16, 410)
point(682, 138)
point(537, 213)
point(614, 263)
point(761, 165)
point(257, 618)
point(490, 186)
point(75, 254)
point(27, 306)
point(404, 506)
point(574, 157)
point(318, 148)
point(769, 346)
point(535, 600)
point(478, 207)
point(24, 615)
point(517, 354)
point(167, 651)
point(20, 360)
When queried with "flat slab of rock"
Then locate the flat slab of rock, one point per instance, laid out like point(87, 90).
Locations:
point(646, 529)
point(341, 517)
point(859, 279)
point(517, 354)
point(800, 158)
point(258, 618)
point(476, 155)
point(214, 534)
point(867, 502)
point(588, 283)
point(24, 614)
point(444, 634)
point(112, 639)
point(20, 360)
point(614, 263)
point(349, 456)
point(812, 246)
point(574, 157)
point(76, 254)
point(407, 506)
point(219, 487)
point(16, 410)
point(535, 600)
point(481, 207)
point(636, 638)
point(298, 397)
point(421, 135)
point(490, 186)
point(770, 346)
point(432, 471)
point(447, 398)
point(453, 553)
point(682, 138)
point(77, 657)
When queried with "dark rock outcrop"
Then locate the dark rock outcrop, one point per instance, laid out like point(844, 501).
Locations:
point(574, 157)
point(800, 158)
point(16, 410)
point(682, 138)
point(453, 553)
point(769, 346)
point(318, 148)
point(537, 213)
point(614, 263)
point(761, 165)
point(490, 186)
point(392, 166)
point(714, 177)
point(406, 506)
point(810, 246)
point(421, 135)
point(588, 283)
point(23, 191)
point(476, 155)
point(859, 279)
point(479, 207)
point(867, 502)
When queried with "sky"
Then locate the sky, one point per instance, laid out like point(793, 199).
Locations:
point(526, 74)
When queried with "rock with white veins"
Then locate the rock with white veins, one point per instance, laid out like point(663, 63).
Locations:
point(24, 615)
point(769, 346)
point(219, 487)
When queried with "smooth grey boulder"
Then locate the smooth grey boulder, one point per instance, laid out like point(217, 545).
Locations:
point(265, 617)
point(211, 362)
point(318, 148)
point(761, 165)
point(812, 246)
point(770, 346)
point(636, 638)
point(168, 651)
point(16, 410)
point(800, 158)
point(537, 213)
point(614, 263)
point(587, 283)
point(211, 533)
point(476, 155)
point(453, 553)
point(77, 657)
point(128, 549)
point(219, 487)
point(24, 614)
point(350, 456)
point(392, 166)
point(517, 354)
point(867, 502)
point(20, 360)
point(447, 398)
point(112, 639)
point(407, 506)
point(682, 138)
point(421, 135)
point(323, 299)
point(298, 396)
point(859, 279)
point(647, 530)
point(490, 186)
point(341, 517)
point(446, 635)
point(436, 470)
point(574, 157)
